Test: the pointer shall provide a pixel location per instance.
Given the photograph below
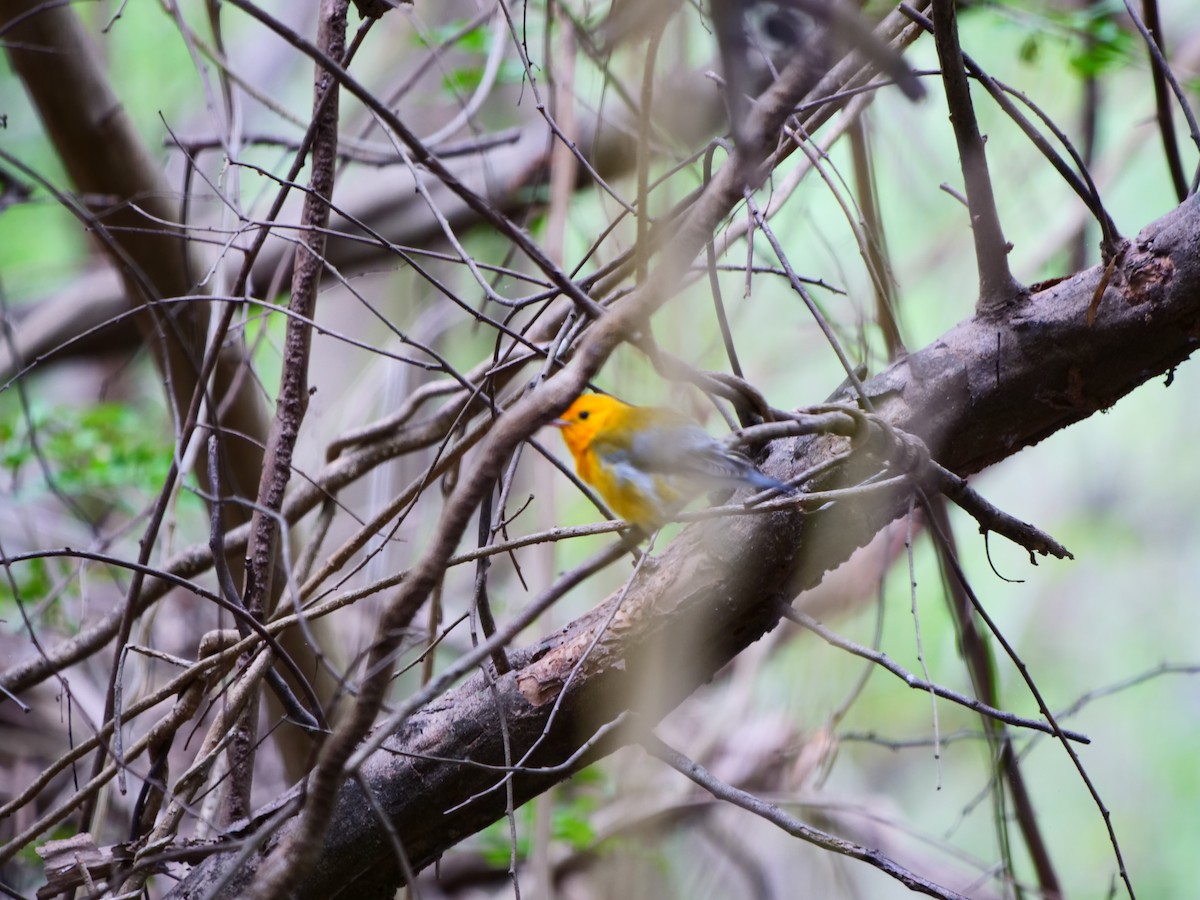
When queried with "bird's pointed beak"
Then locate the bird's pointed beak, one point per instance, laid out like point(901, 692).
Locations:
point(558, 423)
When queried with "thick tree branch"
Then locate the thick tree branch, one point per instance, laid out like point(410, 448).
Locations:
point(979, 394)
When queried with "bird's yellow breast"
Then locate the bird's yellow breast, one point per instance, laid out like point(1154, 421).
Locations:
point(644, 498)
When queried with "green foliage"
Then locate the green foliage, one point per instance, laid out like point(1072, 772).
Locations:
point(473, 41)
point(107, 452)
point(1106, 45)
point(1096, 38)
point(467, 78)
point(32, 580)
point(570, 823)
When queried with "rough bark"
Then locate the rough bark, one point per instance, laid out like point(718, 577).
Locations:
point(979, 394)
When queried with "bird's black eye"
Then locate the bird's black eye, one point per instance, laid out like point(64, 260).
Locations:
point(583, 415)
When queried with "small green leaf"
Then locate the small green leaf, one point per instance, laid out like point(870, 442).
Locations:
point(474, 41)
point(1028, 53)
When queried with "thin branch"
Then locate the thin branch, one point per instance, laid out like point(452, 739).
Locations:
point(793, 826)
point(998, 290)
point(1160, 71)
point(919, 684)
point(1081, 183)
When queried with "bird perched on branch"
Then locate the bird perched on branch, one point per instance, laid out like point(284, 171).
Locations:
point(648, 462)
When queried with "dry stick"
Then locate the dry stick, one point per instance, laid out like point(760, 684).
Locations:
point(411, 884)
point(854, 217)
point(961, 577)
point(481, 602)
point(316, 540)
point(1081, 183)
point(998, 290)
point(793, 826)
point(1162, 99)
point(408, 496)
point(314, 720)
point(393, 420)
point(292, 401)
point(981, 668)
point(1089, 114)
point(565, 135)
point(981, 663)
point(642, 248)
point(991, 517)
point(912, 601)
point(349, 152)
point(883, 660)
point(714, 285)
point(423, 156)
point(874, 246)
point(822, 323)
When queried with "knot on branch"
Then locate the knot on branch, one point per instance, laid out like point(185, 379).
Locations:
point(1146, 274)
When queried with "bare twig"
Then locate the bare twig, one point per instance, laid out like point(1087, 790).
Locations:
point(918, 684)
point(998, 290)
point(793, 826)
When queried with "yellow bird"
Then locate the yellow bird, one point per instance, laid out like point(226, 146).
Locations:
point(648, 462)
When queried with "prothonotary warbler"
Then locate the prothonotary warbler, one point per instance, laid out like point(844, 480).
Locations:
point(648, 462)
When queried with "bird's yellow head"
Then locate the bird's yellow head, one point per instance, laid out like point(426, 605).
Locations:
point(584, 418)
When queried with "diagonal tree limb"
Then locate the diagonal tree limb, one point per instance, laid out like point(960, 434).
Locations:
point(518, 423)
point(979, 394)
